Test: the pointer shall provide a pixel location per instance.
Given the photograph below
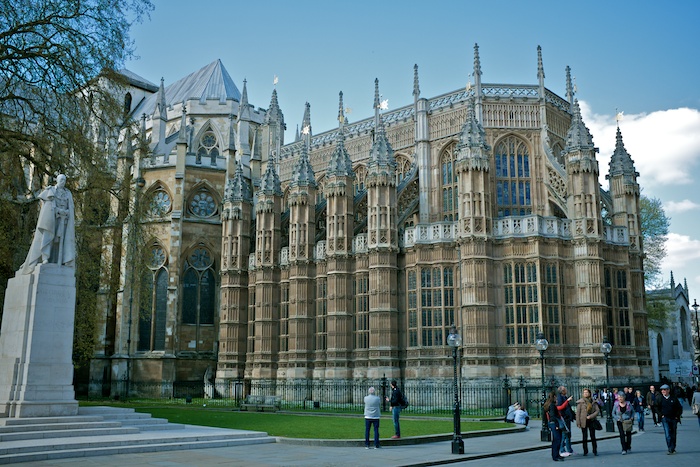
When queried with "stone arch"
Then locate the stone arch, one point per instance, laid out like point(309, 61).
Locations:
point(208, 143)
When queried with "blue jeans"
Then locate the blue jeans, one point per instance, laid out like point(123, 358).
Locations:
point(640, 420)
point(565, 445)
point(670, 426)
point(395, 411)
point(369, 422)
point(556, 439)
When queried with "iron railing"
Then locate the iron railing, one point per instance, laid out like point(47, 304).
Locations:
point(482, 400)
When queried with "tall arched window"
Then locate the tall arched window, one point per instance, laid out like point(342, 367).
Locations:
point(208, 147)
point(127, 103)
point(512, 161)
point(199, 288)
point(360, 174)
point(403, 166)
point(450, 193)
point(153, 301)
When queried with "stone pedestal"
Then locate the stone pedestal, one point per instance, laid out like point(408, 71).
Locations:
point(36, 344)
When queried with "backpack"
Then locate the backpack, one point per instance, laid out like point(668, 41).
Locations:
point(404, 401)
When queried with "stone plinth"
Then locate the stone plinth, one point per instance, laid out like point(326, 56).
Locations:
point(36, 344)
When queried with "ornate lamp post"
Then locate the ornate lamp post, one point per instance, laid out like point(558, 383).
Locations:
point(454, 340)
point(606, 348)
point(541, 345)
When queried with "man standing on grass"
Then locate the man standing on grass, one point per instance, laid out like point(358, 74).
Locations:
point(372, 413)
point(396, 403)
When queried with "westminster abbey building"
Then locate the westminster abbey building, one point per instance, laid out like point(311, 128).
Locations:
point(350, 254)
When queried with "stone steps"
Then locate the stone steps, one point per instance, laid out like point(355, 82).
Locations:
point(98, 431)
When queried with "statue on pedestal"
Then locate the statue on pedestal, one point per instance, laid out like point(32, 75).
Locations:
point(54, 237)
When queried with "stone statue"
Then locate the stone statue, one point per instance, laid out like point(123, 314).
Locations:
point(54, 237)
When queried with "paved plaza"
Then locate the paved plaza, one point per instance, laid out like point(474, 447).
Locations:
point(522, 448)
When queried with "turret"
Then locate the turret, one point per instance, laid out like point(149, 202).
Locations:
point(624, 190)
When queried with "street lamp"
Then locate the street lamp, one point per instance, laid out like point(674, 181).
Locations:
point(606, 348)
point(541, 345)
point(454, 340)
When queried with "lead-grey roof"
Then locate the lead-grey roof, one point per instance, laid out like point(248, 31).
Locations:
point(210, 82)
point(138, 81)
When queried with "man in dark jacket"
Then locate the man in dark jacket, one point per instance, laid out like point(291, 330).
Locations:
point(396, 403)
point(670, 411)
point(652, 397)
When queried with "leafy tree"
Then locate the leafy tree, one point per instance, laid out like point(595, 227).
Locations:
point(654, 226)
point(659, 307)
point(59, 113)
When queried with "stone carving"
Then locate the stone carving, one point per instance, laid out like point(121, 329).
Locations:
point(54, 237)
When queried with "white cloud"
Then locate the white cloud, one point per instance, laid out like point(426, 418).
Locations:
point(681, 250)
point(664, 145)
point(680, 206)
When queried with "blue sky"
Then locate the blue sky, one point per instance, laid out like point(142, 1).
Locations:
point(638, 57)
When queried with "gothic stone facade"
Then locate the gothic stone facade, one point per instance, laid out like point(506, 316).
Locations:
point(349, 254)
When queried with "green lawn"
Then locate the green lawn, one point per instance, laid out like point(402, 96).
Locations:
point(309, 426)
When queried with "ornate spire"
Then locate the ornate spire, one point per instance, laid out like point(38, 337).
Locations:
point(473, 134)
point(381, 155)
point(306, 121)
point(621, 163)
point(540, 66)
point(341, 112)
point(477, 62)
point(416, 88)
point(270, 181)
point(161, 110)
point(578, 136)
point(340, 164)
point(182, 134)
point(297, 136)
point(569, 89)
point(244, 109)
point(377, 104)
point(303, 173)
point(232, 134)
point(237, 188)
point(274, 114)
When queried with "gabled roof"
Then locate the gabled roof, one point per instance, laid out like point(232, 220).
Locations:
point(138, 81)
point(210, 82)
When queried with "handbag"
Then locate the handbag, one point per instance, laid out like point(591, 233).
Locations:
point(596, 425)
point(627, 425)
point(696, 409)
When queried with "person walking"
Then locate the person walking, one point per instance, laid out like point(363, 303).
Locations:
point(549, 410)
point(639, 403)
point(695, 403)
point(651, 403)
point(624, 416)
point(670, 411)
point(372, 414)
point(587, 412)
point(396, 404)
point(567, 416)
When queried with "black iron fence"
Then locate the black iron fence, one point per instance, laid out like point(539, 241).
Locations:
point(482, 399)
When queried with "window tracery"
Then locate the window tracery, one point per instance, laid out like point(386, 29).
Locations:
point(512, 163)
point(208, 147)
point(449, 183)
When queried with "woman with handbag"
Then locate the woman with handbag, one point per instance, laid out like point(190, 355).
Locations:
point(587, 418)
point(624, 416)
point(549, 410)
